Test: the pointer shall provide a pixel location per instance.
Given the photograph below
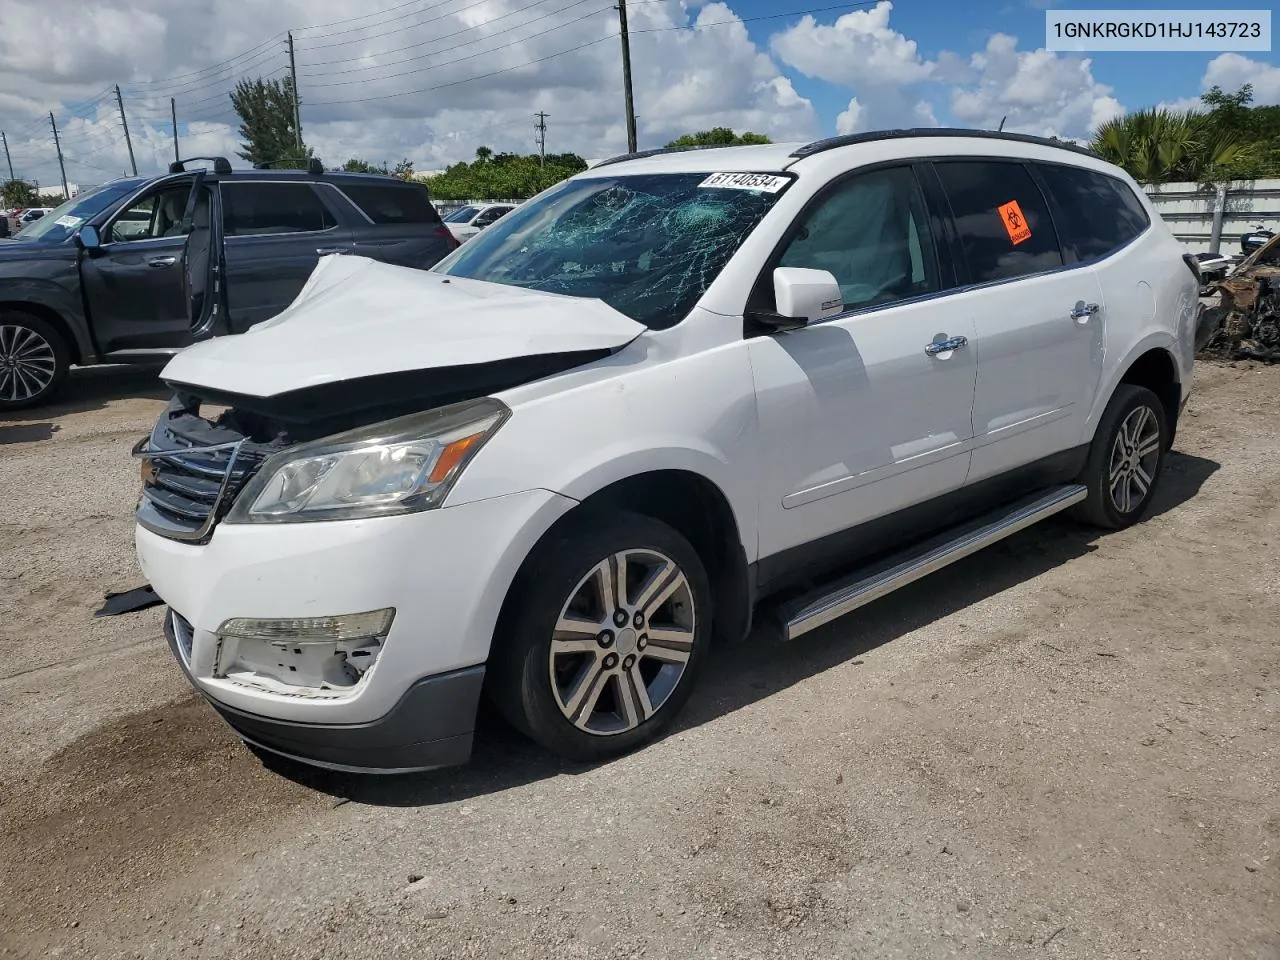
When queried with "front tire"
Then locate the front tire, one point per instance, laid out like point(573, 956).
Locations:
point(33, 360)
point(1125, 459)
point(607, 628)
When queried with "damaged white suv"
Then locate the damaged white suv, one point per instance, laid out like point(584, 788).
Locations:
point(657, 394)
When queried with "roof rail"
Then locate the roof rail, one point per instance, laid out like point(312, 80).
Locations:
point(831, 143)
point(657, 151)
point(314, 166)
point(220, 164)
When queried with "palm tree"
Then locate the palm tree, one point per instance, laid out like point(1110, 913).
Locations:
point(1157, 146)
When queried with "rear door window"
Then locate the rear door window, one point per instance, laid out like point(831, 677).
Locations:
point(1096, 214)
point(1002, 219)
point(254, 209)
point(392, 203)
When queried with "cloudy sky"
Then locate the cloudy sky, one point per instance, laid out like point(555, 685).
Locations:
point(433, 79)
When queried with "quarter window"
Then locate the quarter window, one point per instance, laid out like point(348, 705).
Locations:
point(1002, 219)
point(871, 232)
point(392, 204)
point(1096, 214)
point(257, 208)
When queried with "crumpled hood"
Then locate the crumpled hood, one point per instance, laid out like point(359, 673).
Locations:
point(357, 317)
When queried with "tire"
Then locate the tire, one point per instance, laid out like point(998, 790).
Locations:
point(33, 360)
point(609, 687)
point(1122, 503)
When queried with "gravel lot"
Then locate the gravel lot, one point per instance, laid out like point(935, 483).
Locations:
point(1066, 746)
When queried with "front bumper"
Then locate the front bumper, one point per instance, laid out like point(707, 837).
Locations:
point(446, 573)
point(430, 726)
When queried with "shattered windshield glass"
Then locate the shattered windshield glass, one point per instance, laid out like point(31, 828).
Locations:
point(648, 246)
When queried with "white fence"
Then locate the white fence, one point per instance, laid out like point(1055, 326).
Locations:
point(1190, 210)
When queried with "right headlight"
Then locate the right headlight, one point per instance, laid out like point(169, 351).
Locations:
point(399, 466)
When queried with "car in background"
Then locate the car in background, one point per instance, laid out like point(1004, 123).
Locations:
point(470, 220)
point(139, 268)
point(31, 215)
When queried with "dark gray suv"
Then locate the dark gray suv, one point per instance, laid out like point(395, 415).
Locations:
point(139, 268)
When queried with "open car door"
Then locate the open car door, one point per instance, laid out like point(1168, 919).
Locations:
point(201, 263)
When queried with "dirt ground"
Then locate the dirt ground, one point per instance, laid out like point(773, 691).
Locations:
point(1066, 746)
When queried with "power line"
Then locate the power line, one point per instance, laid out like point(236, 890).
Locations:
point(766, 16)
point(388, 33)
point(213, 67)
point(483, 76)
point(380, 23)
point(447, 36)
point(472, 56)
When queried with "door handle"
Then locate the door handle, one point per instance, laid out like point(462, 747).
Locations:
point(162, 261)
point(1083, 311)
point(943, 346)
point(325, 251)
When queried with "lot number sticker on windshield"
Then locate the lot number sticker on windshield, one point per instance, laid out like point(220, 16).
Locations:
point(1015, 224)
point(764, 182)
point(68, 221)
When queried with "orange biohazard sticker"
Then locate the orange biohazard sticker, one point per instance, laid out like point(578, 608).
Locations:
point(1014, 222)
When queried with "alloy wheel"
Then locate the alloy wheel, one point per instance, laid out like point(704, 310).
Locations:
point(1135, 454)
point(27, 363)
point(622, 642)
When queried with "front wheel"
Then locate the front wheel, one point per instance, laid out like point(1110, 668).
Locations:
point(606, 631)
point(33, 360)
point(1125, 459)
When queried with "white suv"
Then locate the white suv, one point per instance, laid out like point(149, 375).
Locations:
point(648, 399)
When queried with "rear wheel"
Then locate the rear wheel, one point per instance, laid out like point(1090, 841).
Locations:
point(33, 360)
point(608, 628)
point(1125, 459)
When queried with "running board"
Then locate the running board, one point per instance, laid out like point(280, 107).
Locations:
point(818, 609)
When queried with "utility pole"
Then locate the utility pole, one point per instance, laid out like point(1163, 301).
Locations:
point(173, 112)
point(66, 192)
point(8, 159)
point(125, 123)
point(293, 81)
point(542, 137)
point(626, 76)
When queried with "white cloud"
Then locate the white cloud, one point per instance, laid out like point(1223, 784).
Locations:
point(1037, 91)
point(848, 120)
point(429, 82)
point(858, 48)
point(1231, 71)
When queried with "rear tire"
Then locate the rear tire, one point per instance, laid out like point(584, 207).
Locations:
point(1125, 459)
point(33, 360)
point(588, 668)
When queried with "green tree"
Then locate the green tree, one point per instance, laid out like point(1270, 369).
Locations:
point(1157, 145)
point(356, 165)
point(502, 176)
point(265, 108)
point(404, 169)
point(718, 137)
point(19, 193)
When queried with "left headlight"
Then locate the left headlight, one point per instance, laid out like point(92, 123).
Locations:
point(399, 466)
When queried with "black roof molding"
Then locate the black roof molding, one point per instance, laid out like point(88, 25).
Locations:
point(314, 165)
point(658, 151)
point(220, 164)
point(832, 143)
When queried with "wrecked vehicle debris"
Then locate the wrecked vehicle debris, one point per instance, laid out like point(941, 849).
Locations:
point(1246, 319)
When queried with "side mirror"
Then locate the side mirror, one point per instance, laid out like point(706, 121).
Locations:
point(87, 239)
point(805, 296)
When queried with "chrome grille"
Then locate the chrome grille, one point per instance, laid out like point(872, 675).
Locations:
point(189, 483)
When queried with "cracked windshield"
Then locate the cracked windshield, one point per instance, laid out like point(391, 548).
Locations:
point(646, 245)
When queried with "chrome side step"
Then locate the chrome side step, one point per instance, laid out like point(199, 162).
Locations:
point(816, 610)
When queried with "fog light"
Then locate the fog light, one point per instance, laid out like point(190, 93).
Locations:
point(347, 626)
